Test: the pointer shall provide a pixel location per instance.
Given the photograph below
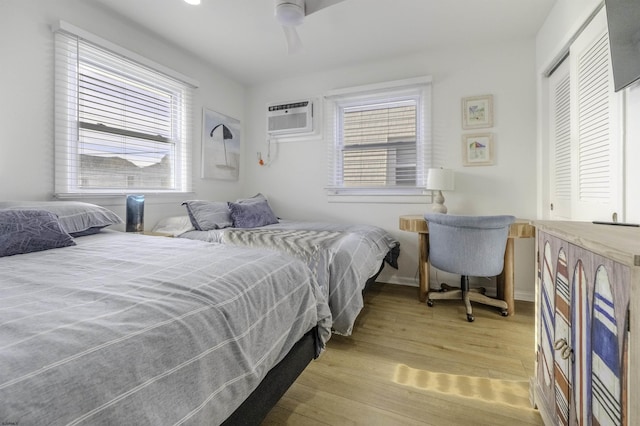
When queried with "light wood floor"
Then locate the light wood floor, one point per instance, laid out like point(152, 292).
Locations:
point(408, 364)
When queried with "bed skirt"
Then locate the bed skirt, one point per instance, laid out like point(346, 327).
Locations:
point(256, 407)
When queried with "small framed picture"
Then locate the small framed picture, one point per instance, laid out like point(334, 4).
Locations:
point(477, 149)
point(477, 112)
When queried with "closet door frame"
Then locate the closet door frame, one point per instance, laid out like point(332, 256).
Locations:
point(595, 188)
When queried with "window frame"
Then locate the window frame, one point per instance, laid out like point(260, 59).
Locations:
point(415, 89)
point(69, 125)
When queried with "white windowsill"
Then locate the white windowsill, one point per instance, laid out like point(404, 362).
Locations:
point(151, 197)
point(381, 199)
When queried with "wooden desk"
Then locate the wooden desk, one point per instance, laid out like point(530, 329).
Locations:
point(519, 229)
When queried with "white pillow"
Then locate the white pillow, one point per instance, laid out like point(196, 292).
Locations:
point(174, 225)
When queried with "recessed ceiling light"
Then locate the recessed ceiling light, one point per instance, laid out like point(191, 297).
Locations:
point(193, 2)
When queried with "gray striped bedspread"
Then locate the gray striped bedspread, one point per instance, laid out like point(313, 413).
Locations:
point(131, 329)
point(347, 258)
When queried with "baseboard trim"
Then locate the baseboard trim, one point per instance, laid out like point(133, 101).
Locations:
point(525, 296)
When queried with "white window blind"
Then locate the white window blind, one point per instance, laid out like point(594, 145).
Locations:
point(379, 139)
point(121, 126)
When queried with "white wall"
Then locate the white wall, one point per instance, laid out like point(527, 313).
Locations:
point(564, 21)
point(295, 180)
point(26, 110)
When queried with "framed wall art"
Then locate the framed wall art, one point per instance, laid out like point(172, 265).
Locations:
point(220, 146)
point(477, 112)
point(477, 149)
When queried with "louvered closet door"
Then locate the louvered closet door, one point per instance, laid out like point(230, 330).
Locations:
point(560, 181)
point(596, 121)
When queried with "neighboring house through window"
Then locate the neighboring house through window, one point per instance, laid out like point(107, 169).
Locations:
point(379, 138)
point(122, 123)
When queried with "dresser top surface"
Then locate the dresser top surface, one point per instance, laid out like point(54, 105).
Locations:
point(620, 243)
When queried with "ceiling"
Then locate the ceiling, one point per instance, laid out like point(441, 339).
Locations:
point(242, 39)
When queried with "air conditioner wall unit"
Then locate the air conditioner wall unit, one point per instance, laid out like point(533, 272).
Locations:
point(288, 118)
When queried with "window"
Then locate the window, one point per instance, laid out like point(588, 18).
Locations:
point(380, 138)
point(121, 125)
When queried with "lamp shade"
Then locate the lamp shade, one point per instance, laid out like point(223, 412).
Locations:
point(440, 179)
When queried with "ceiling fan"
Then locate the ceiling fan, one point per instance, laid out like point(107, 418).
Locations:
point(291, 13)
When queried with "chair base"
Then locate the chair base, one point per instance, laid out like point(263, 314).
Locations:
point(468, 295)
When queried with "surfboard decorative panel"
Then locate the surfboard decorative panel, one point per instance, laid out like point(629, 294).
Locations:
point(580, 344)
point(547, 324)
point(625, 376)
point(605, 376)
point(562, 358)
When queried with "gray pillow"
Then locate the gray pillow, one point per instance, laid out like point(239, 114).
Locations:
point(252, 215)
point(26, 231)
point(75, 217)
point(207, 215)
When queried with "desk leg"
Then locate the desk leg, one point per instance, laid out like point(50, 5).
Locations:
point(423, 266)
point(505, 280)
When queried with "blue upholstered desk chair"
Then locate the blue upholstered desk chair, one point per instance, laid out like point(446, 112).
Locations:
point(469, 246)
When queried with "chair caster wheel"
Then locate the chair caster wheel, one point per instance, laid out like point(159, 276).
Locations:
point(504, 313)
point(430, 303)
point(470, 318)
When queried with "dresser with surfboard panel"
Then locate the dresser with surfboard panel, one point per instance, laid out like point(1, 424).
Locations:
point(587, 325)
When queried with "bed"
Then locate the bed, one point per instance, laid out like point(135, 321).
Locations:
point(344, 258)
point(117, 328)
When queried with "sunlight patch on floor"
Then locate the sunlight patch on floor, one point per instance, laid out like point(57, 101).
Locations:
point(510, 392)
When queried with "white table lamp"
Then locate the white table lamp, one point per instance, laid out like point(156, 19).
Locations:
point(440, 180)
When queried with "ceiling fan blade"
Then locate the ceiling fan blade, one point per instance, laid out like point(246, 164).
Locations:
point(311, 6)
point(294, 42)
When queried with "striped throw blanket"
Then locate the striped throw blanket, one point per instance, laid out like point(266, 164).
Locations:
point(302, 244)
